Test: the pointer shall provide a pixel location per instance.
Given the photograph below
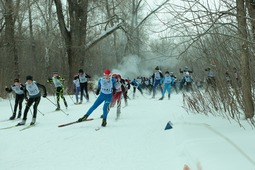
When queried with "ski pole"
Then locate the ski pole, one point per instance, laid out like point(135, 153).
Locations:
point(57, 106)
point(70, 97)
point(40, 112)
point(10, 103)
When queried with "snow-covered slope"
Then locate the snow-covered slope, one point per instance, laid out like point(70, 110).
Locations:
point(137, 141)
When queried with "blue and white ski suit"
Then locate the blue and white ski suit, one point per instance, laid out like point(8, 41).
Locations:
point(168, 81)
point(106, 88)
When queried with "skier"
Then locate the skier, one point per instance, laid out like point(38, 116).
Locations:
point(83, 79)
point(187, 79)
point(106, 87)
point(184, 71)
point(19, 97)
point(58, 83)
point(126, 87)
point(174, 84)
point(77, 88)
point(32, 88)
point(120, 89)
point(210, 80)
point(136, 85)
point(148, 84)
point(156, 77)
point(168, 81)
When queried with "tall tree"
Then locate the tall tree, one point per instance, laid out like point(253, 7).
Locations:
point(245, 59)
point(11, 52)
point(75, 35)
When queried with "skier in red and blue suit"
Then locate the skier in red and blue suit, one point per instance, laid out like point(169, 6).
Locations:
point(106, 87)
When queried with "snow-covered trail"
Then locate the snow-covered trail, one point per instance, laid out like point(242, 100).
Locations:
point(137, 141)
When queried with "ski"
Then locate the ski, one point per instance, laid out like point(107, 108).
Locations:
point(67, 124)
point(27, 127)
point(9, 127)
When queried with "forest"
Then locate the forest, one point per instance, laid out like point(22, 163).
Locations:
point(38, 37)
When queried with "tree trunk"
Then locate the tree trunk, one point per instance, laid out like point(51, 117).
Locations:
point(11, 52)
point(245, 65)
point(75, 36)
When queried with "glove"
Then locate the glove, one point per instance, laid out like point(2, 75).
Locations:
point(97, 92)
point(26, 99)
point(113, 90)
point(44, 95)
point(49, 80)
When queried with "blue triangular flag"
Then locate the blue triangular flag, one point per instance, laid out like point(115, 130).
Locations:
point(169, 125)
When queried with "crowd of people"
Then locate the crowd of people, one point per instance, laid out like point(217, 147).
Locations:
point(111, 89)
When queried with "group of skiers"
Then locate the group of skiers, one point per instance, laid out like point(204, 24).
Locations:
point(30, 91)
point(110, 88)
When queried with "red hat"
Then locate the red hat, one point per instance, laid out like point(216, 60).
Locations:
point(107, 72)
point(114, 75)
point(119, 76)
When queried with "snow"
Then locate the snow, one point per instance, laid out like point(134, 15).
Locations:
point(137, 141)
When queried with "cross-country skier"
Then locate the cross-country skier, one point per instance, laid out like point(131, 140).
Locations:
point(19, 97)
point(187, 79)
point(136, 85)
point(184, 71)
point(32, 89)
point(83, 78)
point(174, 84)
point(120, 89)
point(106, 87)
point(77, 87)
point(156, 77)
point(167, 80)
point(58, 83)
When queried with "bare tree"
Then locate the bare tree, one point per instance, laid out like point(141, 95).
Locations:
point(245, 59)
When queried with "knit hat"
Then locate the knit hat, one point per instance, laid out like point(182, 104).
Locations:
point(81, 71)
point(119, 76)
point(114, 75)
point(107, 72)
point(157, 68)
point(29, 78)
point(16, 80)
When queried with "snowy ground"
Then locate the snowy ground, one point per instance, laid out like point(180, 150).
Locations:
point(137, 141)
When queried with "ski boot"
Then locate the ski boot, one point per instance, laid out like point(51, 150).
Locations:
point(104, 123)
point(23, 122)
point(161, 98)
point(33, 121)
point(13, 116)
point(83, 118)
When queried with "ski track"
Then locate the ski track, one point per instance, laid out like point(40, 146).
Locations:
point(136, 141)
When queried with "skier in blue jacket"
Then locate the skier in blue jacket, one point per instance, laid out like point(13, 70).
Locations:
point(136, 85)
point(168, 81)
point(106, 87)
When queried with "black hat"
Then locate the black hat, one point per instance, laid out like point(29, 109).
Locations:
point(29, 78)
point(157, 68)
point(167, 72)
point(16, 80)
point(81, 71)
